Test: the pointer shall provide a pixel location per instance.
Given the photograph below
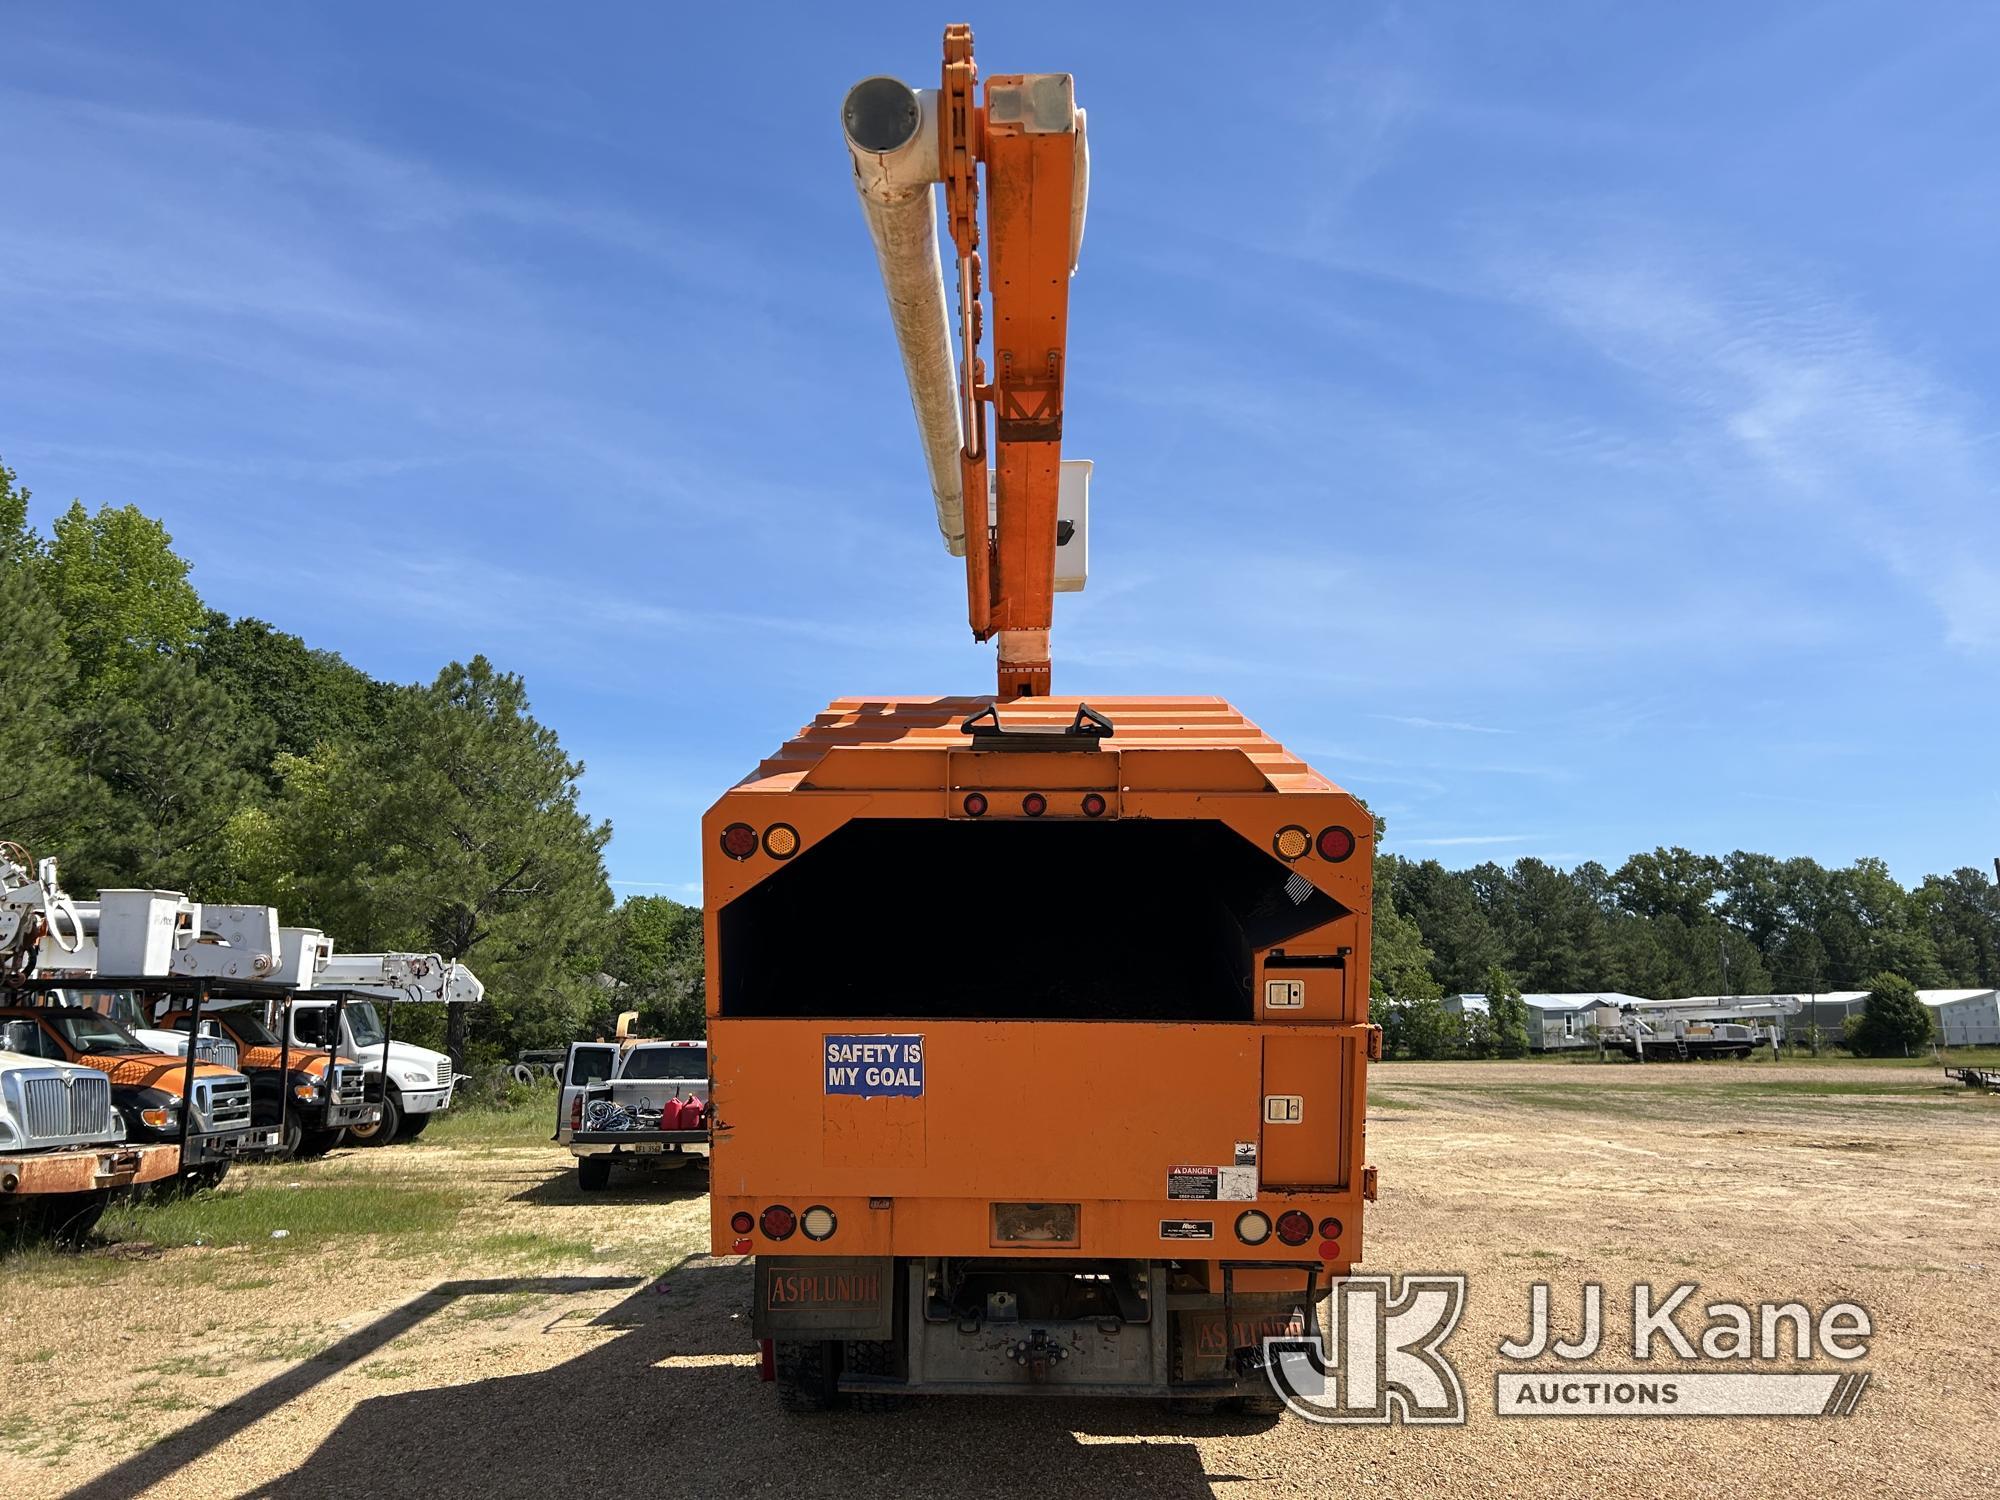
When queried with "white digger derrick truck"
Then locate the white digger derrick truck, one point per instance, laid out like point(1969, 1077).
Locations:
point(277, 1002)
point(64, 1145)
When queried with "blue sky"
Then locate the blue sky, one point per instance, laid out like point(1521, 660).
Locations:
point(1571, 426)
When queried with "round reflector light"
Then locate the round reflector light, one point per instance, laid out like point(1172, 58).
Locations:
point(1335, 843)
point(1093, 805)
point(1329, 1228)
point(1034, 804)
point(781, 841)
point(742, 1245)
point(975, 804)
point(739, 841)
point(741, 1222)
point(778, 1222)
point(1329, 1250)
point(818, 1222)
point(1252, 1227)
point(1294, 1227)
point(1292, 842)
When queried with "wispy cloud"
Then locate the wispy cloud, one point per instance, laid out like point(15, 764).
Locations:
point(1786, 379)
point(1457, 840)
point(1456, 725)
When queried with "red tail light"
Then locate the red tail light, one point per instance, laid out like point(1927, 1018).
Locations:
point(975, 805)
point(576, 1113)
point(1329, 1228)
point(1034, 804)
point(1295, 1227)
point(741, 1222)
point(739, 841)
point(778, 1222)
point(1335, 843)
point(1093, 805)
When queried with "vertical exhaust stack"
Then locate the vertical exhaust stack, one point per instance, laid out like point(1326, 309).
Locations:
point(892, 135)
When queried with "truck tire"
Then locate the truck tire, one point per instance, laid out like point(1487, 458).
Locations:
point(1262, 1402)
point(315, 1143)
point(384, 1130)
point(874, 1357)
point(805, 1376)
point(71, 1217)
point(193, 1180)
point(413, 1126)
point(593, 1173)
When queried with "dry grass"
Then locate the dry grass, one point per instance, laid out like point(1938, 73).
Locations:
point(450, 1361)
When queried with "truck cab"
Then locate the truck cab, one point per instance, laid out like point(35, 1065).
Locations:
point(63, 1146)
point(147, 1087)
point(417, 1085)
point(636, 1103)
point(128, 1010)
point(327, 1093)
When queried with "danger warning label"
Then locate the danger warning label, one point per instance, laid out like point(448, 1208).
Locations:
point(1208, 1184)
point(1191, 1182)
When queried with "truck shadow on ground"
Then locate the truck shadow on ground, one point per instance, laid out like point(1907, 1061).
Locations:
point(672, 1399)
point(667, 1186)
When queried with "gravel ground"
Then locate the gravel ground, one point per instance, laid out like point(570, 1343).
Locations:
point(567, 1363)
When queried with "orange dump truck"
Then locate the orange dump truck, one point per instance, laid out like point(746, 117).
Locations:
point(1038, 1038)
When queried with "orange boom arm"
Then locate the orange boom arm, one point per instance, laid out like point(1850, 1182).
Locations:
point(1028, 136)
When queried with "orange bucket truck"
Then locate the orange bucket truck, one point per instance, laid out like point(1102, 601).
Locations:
point(1038, 1028)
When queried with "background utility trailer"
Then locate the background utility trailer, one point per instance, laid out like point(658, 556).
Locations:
point(1039, 1055)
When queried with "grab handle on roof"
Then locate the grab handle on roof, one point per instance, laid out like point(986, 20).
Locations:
point(1084, 732)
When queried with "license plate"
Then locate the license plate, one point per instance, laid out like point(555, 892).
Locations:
point(649, 1148)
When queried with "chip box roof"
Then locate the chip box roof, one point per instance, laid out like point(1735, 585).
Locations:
point(933, 724)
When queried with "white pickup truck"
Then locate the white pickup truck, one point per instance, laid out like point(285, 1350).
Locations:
point(639, 1104)
point(63, 1149)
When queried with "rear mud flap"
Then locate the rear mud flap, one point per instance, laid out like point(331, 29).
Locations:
point(825, 1297)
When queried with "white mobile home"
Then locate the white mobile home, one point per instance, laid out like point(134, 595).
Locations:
point(1964, 1018)
point(1558, 1021)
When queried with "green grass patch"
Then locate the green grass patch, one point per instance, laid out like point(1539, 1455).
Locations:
point(486, 1309)
point(292, 1348)
point(1390, 1101)
point(310, 1213)
point(524, 1247)
point(529, 1120)
point(200, 1366)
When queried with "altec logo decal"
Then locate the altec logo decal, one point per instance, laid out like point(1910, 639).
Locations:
point(1382, 1359)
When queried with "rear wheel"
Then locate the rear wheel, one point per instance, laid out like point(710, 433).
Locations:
point(593, 1173)
point(383, 1130)
point(1259, 1401)
point(804, 1374)
point(874, 1357)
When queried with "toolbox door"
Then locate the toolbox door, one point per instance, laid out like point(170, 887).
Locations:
point(1310, 1074)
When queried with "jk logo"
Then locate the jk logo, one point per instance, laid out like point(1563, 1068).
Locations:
point(1382, 1359)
